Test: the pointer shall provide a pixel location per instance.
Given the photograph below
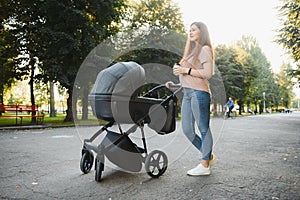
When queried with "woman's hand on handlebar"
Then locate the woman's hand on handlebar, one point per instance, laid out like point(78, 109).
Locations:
point(169, 84)
point(172, 86)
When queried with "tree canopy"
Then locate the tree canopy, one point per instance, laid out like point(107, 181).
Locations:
point(248, 78)
point(49, 41)
point(289, 34)
point(59, 34)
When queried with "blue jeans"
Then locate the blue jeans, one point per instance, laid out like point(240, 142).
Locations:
point(195, 108)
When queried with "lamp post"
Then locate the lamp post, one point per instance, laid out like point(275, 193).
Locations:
point(264, 96)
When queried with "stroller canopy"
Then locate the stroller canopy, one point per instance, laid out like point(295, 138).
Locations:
point(120, 79)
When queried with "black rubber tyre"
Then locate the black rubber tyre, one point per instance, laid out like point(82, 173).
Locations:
point(99, 167)
point(156, 163)
point(86, 162)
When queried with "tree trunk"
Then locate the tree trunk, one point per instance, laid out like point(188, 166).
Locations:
point(215, 109)
point(1, 93)
point(31, 83)
point(52, 100)
point(85, 103)
point(71, 107)
point(241, 106)
point(2, 88)
point(1, 96)
point(69, 116)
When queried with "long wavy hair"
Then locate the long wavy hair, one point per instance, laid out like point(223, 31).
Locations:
point(193, 48)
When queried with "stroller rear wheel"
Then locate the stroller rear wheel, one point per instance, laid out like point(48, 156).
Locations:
point(156, 163)
point(86, 162)
point(99, 167)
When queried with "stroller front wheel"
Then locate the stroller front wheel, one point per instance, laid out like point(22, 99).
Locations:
point(86, 162)
point(156, 163)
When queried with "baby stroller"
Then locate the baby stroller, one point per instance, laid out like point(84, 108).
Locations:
point(120, 96)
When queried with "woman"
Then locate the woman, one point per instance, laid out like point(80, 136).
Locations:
point(194, 70)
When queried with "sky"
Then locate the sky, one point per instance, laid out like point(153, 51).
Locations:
point(229, 20)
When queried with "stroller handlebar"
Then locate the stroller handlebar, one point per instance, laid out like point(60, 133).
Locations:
point(173, 87)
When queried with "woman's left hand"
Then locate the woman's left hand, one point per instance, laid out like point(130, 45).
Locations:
point(179, 70)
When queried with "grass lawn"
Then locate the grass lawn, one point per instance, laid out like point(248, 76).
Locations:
point(57, 121)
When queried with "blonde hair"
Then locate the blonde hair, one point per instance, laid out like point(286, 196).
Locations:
point(193, 49)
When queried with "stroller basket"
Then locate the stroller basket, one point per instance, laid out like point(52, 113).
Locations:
point(124, 154)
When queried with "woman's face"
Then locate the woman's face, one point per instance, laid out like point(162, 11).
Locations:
point(194, 33)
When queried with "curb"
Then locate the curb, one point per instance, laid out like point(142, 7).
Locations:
point(25, 127)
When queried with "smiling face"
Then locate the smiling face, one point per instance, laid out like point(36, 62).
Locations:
point(194, 33)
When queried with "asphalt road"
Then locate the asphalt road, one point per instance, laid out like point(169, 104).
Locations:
point(258, 158)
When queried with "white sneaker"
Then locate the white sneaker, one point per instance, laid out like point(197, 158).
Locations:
point(200, 170)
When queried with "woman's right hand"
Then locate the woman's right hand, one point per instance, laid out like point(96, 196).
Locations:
point(168, 84)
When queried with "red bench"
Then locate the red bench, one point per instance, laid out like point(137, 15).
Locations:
point(20, 112)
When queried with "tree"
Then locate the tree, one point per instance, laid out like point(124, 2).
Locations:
point(71, 31)
point(41, 93)
point(248, 75)
point(289, 34)
point(151, 26)
point(24, 20)
point(230, 68)
point(161, 15)
point(8, 50)
point(285, 85)
point(258, 67)
point(152, 34)
point(8, 54)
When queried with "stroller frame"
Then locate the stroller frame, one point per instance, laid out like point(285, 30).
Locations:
point(155, 162)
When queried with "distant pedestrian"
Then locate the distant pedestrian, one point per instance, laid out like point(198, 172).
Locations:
point(230, 105)
point(194, 70)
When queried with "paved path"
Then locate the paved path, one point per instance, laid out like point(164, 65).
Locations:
point(258, 159)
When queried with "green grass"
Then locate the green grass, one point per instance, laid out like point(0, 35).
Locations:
point(57, 121)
